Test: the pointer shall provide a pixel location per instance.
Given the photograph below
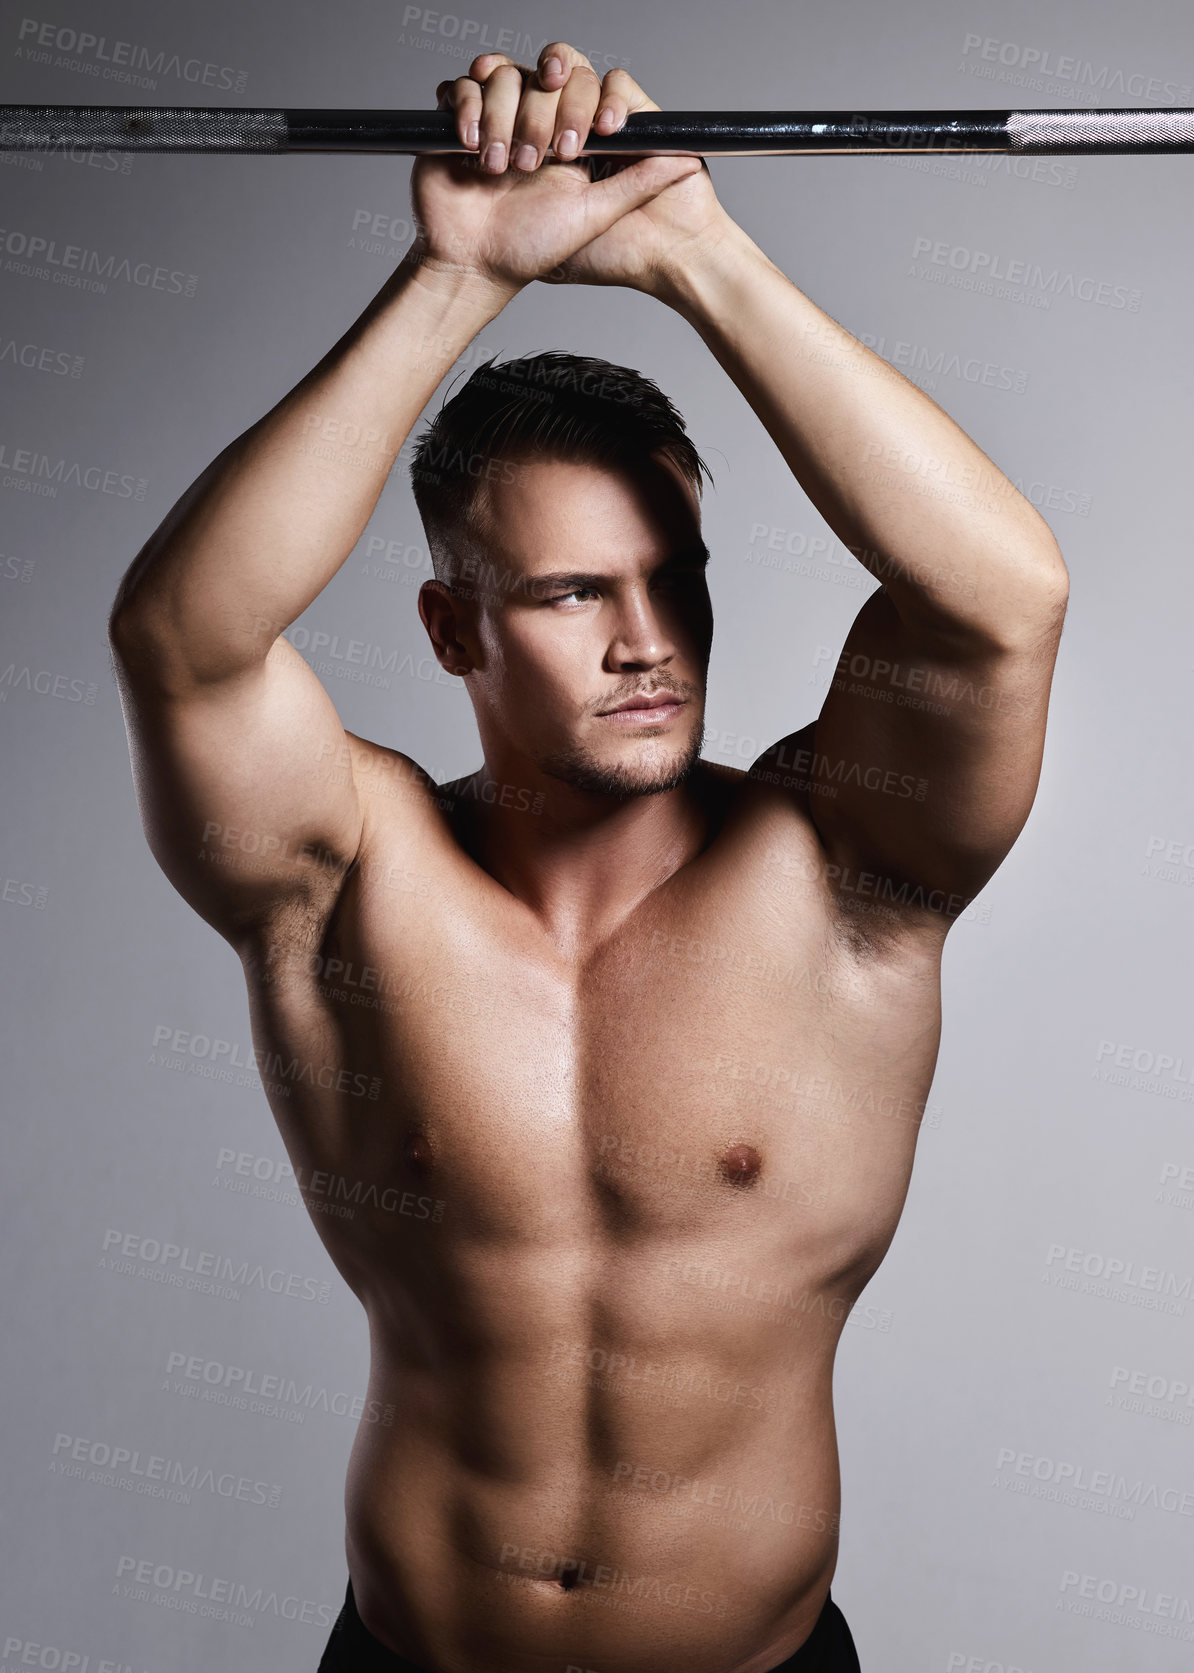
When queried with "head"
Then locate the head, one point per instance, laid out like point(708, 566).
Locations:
point(561, 499)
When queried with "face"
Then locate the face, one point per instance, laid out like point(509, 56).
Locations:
point(587, 638)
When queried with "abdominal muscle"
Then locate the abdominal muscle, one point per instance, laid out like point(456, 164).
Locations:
point(626, 1498)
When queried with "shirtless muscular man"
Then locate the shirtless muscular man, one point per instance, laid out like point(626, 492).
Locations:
point(652, 1035)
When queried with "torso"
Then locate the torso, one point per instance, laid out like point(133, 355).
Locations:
point(608, 1217)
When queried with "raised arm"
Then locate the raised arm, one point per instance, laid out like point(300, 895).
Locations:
point(922, 766)
point(230, 731)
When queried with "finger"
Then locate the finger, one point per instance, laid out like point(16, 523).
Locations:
point(574, 114)
point(463, 96)
point(606, 201)
point(485, 62)
point(555, 63)
point(538, 122)
point(500, 95)
point(563, 70)
point(534, 126)
point(620, 94)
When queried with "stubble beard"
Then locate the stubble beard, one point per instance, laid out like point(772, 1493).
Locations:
point(580, 769)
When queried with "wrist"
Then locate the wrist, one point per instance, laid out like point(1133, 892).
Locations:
point(696, 272)
point(455, 283)
point(425, 315)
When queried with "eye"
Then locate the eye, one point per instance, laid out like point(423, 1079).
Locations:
point(577, 592)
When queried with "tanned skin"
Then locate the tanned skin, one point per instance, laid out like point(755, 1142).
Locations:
point(652, 1035)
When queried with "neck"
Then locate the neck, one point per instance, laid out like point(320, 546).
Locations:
point(580, 861)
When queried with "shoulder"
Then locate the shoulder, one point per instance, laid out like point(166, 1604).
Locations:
point(874, 918)
point(787, 765)
point(403, 810)
point(386, 777)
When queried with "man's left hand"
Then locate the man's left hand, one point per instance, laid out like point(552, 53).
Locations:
point(562, 95)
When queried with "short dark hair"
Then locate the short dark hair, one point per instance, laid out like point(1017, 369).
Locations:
point(551, 405)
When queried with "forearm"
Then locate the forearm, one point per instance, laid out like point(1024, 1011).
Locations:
point(902, 485)
point(265, 527)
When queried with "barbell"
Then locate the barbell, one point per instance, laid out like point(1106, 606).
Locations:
point(724, 133)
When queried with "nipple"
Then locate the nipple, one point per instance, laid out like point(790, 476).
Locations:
point(417, 1153)
point(741, 1164)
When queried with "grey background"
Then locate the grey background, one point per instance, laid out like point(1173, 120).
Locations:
point(1074, 957)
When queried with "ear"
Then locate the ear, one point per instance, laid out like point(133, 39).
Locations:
point(442, 616)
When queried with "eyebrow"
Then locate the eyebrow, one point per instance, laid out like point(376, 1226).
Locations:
point(562, 580)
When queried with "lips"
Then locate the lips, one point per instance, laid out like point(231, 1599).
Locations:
point(657, 700)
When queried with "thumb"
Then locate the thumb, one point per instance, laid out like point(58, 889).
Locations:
point(606, 201)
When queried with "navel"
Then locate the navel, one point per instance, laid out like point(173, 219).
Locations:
point(741, 1164)
point(417, 1152)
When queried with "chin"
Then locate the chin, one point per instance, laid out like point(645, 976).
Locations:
point(633, 771)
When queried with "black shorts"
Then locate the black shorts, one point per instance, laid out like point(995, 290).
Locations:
point(352, 1648)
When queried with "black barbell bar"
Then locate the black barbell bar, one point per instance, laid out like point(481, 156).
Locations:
point(721, 133)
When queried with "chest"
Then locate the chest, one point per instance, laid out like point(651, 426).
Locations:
point(715, 1064)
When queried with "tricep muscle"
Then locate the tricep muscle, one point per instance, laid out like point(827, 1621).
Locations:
point(245, 785)
point(927, 750)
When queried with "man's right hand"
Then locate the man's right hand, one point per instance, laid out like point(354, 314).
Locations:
point(507, 226)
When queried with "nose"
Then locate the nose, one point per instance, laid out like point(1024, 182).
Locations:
point(641, 638)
